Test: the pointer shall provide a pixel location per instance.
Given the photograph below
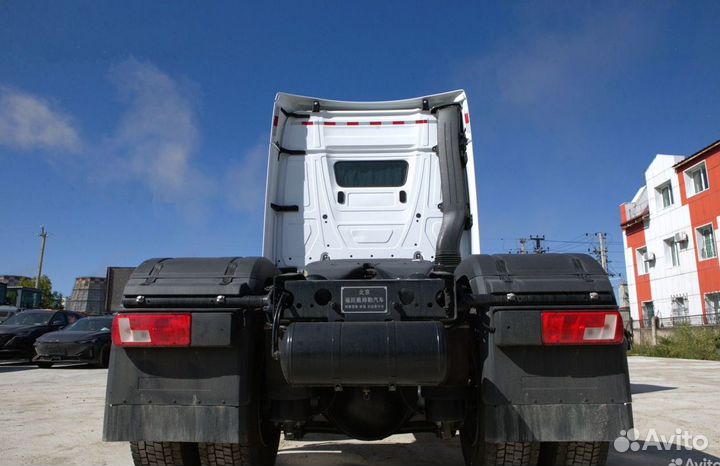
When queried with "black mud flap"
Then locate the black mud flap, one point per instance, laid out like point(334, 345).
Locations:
point(195, 394)
point(209, 390)
point(534, 392)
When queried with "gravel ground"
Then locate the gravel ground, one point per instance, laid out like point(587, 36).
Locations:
point(54, 417)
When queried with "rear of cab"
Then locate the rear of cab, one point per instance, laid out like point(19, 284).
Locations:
point(359, 180)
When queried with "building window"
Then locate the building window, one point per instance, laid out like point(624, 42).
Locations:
point(679, 310)
point(648, 313)
point(712, 308)
point(665, 195)
point(642, 261)
point(706, 242)
point(672, 252)
point(696, 179)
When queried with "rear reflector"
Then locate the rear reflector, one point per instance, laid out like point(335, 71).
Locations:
point(151, 330)
point(582, 328)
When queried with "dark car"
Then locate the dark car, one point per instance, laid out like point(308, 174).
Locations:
point(19, 332)
point(87, 340)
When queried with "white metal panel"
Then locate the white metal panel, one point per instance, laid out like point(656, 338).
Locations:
point(371, 221)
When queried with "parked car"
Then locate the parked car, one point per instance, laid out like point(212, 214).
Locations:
point(87, 340)
point(19, 332)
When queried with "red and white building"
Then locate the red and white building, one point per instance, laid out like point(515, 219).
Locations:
point(670, 234)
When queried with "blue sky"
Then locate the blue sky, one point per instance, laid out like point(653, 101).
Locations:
point(139, 129)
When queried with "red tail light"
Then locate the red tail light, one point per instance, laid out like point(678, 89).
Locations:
point(582, 328)
point(151, 330)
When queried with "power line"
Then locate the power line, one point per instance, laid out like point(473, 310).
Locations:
point(539, 249)
point(568, 242)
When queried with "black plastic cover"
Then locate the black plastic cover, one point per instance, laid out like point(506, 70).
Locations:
point(533, 273)
point(227, 276)
point(453, 182)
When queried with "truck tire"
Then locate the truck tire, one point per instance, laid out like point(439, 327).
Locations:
point(477, 452)
point(44, 365)
point(259, 447)
point(164, 454)
point(236, 454)
point(574, 453)
point(512, 453)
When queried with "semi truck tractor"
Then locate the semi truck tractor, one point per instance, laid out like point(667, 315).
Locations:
point(371, 312)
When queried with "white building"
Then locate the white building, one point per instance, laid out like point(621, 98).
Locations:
point(670, 242)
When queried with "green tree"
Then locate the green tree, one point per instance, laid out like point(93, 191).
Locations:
point(50, 299)
point(56, 300)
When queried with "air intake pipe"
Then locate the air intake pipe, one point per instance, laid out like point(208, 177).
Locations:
point(453, 180)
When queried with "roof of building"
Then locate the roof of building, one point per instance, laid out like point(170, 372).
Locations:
point(698, 154)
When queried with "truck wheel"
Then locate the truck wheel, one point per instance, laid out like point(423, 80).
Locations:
point(236, 454)
point(511, 453)
point(574, 453)
point(477, 452)
point(44, 365)
point(164, 454)
point(259, 447)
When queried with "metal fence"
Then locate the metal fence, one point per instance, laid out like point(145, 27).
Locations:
point(695, 320)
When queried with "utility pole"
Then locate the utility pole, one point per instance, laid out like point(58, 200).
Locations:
point(522, 246)
point(538, 244)
point(602, 252)
point(43, 235)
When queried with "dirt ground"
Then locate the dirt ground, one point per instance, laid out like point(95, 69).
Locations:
point(54, 417)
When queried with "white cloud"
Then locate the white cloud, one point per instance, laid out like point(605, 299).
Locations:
point(154, 143)
point(158, 134)
point(244, 188)
point(541, 73)
point(28, 122)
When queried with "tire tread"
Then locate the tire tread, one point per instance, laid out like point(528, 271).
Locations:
point(163, 453)
point(574, 453)
point(512, 453)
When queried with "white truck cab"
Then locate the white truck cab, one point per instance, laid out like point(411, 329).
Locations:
point(359, 180)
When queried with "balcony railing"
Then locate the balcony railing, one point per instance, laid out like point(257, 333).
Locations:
point(636, 209)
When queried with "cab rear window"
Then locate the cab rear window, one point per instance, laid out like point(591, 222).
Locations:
point(371, 174)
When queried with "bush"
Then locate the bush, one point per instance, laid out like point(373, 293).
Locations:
point(686, 342)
